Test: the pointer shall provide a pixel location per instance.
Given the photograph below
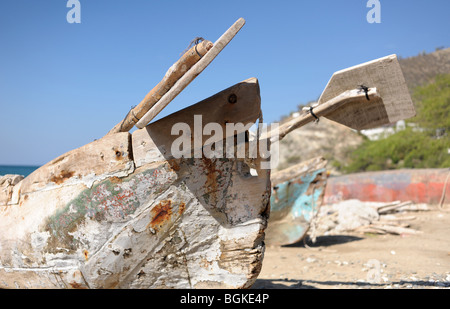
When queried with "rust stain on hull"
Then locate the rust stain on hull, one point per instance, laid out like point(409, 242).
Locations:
point(76, 285)
point(213, 175)
point(115, 180)
point(63, 176)
point(181, 208)
point(161, 213)
point(174, 164)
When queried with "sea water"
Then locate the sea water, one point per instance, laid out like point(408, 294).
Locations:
point(17, 169)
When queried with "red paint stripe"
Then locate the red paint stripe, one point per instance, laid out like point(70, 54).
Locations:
point(419, 186)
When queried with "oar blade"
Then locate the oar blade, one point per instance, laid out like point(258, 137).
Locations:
point(386, 76)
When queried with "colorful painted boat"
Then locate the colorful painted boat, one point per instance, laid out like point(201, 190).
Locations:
point(416, 185)
point(297, 194)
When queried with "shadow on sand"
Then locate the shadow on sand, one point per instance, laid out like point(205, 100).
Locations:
point(324, 241)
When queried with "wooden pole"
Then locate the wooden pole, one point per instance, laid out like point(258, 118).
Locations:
point(182, 83)
point(175, 72)
point(325, 109)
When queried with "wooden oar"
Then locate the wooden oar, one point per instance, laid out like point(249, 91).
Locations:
point(354, 96)
point(219, 45)
point(365, 96)
point(175, 72)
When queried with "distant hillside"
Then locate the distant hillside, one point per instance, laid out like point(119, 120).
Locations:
point(326, 138)
point(421, 69)
point(334, 141)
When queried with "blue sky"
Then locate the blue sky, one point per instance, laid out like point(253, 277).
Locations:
point(63, 85)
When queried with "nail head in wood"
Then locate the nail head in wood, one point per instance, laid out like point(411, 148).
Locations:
point(232, 98)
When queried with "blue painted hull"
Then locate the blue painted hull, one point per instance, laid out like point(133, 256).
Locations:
point(297, 194)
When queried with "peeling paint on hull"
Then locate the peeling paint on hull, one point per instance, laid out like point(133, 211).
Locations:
point(121, 212)
point(172, 232)
point(297, 195)
point(416, 185)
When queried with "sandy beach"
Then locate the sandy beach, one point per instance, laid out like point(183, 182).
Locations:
point(365, 261)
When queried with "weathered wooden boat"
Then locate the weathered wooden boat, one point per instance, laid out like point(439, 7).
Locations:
point(122, 212)
point(125, 212)
point(428, 186)
point(297, 194)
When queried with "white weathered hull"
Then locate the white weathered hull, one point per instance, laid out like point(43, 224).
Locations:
point(121, 212)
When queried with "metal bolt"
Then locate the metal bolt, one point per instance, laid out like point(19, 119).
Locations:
point(232, 98)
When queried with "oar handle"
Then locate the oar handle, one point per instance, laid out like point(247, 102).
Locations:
point(185, 80)
point(355, 95)
point(175, 72)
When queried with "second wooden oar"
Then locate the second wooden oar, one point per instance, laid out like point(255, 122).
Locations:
point(175, 72)
point(182, 83)
point(365, 96)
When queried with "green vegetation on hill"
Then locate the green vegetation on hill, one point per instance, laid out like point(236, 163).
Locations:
point(425, 143)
